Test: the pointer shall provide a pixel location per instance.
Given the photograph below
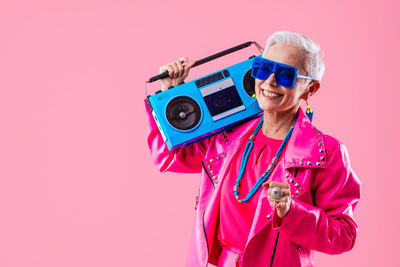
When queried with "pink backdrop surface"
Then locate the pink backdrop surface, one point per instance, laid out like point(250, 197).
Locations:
point(77, 184)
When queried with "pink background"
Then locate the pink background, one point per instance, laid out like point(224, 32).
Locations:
point(77, 184)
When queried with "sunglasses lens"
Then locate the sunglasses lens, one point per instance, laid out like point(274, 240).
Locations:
point(285, 76)
point(262, 69)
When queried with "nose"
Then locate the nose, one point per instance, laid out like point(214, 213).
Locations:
point(271, 81)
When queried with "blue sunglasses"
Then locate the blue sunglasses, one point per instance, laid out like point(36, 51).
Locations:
point(285, 75)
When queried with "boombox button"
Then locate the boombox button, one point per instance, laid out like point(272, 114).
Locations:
point(226, 73)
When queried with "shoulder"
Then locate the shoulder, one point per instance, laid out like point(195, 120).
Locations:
point(241, 129)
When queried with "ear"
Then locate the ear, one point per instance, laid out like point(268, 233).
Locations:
point(312, 88)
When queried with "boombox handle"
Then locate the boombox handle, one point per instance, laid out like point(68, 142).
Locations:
point(209, 58)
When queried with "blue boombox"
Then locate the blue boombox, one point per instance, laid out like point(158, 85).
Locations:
point(198, 109)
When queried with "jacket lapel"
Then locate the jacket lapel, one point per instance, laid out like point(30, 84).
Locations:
point(305, 148)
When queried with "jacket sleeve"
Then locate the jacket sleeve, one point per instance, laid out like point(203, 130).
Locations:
point(328, 226)
point(185, 160)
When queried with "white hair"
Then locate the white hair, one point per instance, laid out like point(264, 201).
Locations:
point(314, 63)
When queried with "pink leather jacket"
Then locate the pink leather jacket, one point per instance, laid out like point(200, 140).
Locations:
point(324, 189)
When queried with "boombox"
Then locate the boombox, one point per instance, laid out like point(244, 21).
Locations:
point(200, 108)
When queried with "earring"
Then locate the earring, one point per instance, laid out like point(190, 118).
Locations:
point(309, 112)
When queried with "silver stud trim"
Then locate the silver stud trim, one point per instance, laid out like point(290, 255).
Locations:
point(301, 162)
point(211, 171)
point(268, 216)
point(209, 166)
point(211, 160)
point(286, 174)
point(321, 150)
point(318, 163)
point(217, 158)
point(296, 185)
point(322, 157)
point(320, 144)
point(223, 155)
point(214, 177)
point(309, 163)
point(291, 181)
point(293, 163)
point(297, 192)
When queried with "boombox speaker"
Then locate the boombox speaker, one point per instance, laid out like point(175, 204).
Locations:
point(200, 108)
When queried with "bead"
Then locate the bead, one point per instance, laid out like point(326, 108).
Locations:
point(297, 192)
point(322, 157)
point(320, 144)
point(211, 160)
point(268, 216)
point(223, 155)
point(319, 138)
point(318, 163)
point(321, 150)
point(309, 163)
point(209, 166)
point(293, 163)
point(296, 185)
point(286, 174)
point(211, 171)
point(291, 181)
point(217, 158)
point(214, 177)
point(301, 162)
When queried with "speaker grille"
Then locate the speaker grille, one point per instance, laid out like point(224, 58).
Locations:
point(183, 113)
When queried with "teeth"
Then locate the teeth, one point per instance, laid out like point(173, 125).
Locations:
point(270, 94)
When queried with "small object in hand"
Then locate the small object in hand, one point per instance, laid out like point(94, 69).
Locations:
point(276, 193)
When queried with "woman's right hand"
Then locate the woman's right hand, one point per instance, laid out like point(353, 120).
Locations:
point(177, 72)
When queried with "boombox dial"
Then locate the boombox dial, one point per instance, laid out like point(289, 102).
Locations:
point(183, 113)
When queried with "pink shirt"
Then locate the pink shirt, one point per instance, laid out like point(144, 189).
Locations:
point(236, 218)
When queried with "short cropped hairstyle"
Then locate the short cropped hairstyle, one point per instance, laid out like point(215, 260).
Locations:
point(314, 63)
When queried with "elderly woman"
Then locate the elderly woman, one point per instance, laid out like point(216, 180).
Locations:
point(274, 188)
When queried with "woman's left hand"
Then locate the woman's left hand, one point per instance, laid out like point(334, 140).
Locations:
point(282, 204)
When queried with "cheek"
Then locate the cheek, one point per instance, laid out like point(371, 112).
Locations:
point(257, 83)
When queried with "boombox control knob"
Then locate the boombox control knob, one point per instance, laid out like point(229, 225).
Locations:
point(183, 113)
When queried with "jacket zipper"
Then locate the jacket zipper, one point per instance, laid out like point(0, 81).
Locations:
point(205, 236)
point(273, 252)
point(277, 235)
point(208, 175)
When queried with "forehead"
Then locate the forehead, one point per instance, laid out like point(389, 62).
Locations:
point(286, 54)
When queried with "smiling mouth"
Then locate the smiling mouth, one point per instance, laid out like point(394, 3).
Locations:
point(270, 94)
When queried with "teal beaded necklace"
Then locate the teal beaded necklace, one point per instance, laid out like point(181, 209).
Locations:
point(245, 158)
